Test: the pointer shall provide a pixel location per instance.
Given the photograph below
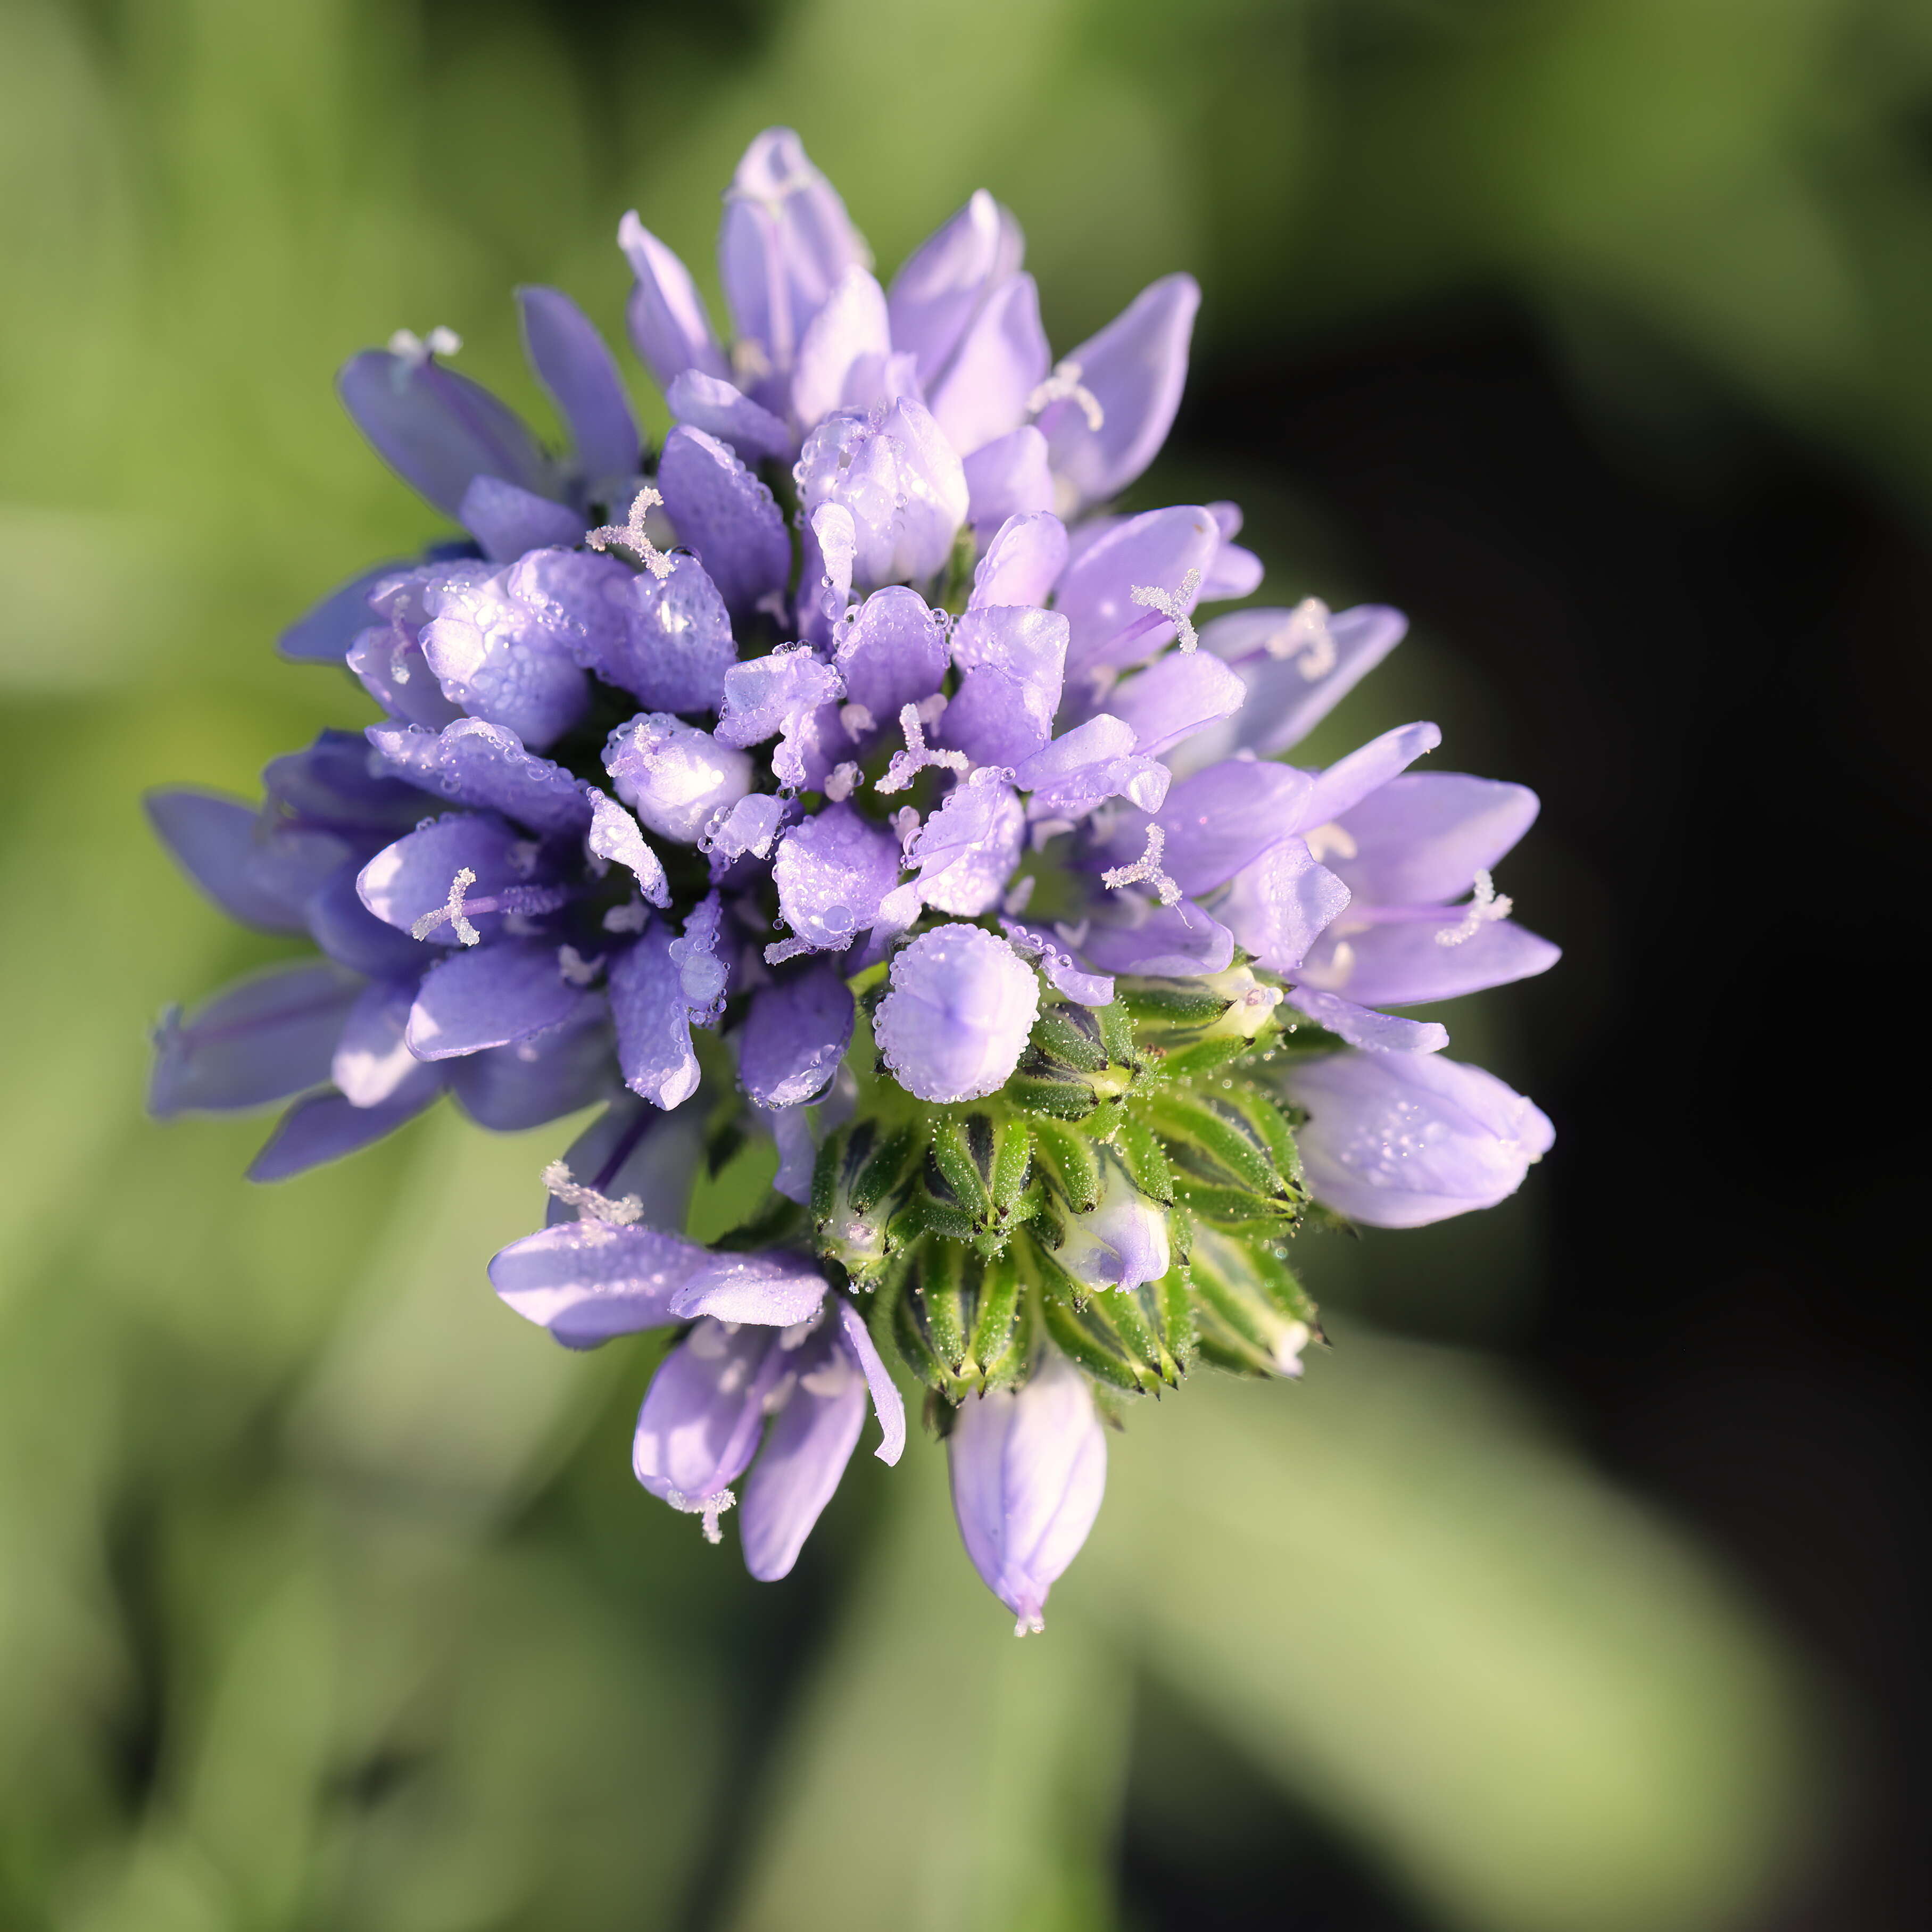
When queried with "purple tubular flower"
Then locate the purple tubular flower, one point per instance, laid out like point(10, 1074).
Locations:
point(1278, 905)
point(574, 364)
point(495, 657)
point(262, 873)
point(795, 1035)
point(1000, 359)
point(1110, 629)
point(710, 403)
point(438, 430)
point(474, 763)
point(492, 996)
point(785, 242)
point(326, 1126)
point(812, 1439)
point(1010, 659)
point(1298, 665)
point(777, 694)
point(831, 873)
point(506, 521)
point(900, 479)
point(893, 653)
point(562, 1070)
point(843, 355)
point(1022, 562)
point(944, 284)
point(1007, 478)
point(1093, 761)
point(1404, 849)
point(653, 1012)
point(675, 777)
point(727, 516)
point(772, 834)
point(669, 328)
point(1120, 1243)
point(961, 1007)
point(1175, 698)
point(264, 1038)
point(966, 851)
point(1400, 1140)
point(323, 636)
point(1133, 370)
point(1029, 1468)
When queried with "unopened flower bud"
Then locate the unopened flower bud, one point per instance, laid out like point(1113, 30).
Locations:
point(1028, 1467)
point(1401, 1139)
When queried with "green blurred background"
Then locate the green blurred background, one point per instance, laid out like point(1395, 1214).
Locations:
point(1562, 1596)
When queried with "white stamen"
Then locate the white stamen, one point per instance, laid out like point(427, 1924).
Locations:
point(1172, 605)
point(932, 710)
point(781, 950)
point(626, 1212)
point(574, 968)
point(906, 822)
point(710, 1507)
point(1145, 869)
point(857, 720)
point(632, 916)
point(841, 781)
point(906, 765)
point(414, 350)
point(1483, 909)
point(631, 535)
point(1064, 385)
point(1017, 901)
point(451, 913)
point(1306, 633)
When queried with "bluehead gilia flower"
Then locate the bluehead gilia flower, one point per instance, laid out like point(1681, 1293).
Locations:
point(846, 772)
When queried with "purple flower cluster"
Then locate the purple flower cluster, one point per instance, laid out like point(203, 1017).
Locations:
point(844, 771)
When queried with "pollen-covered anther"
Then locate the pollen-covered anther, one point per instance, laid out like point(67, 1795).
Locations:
point(1064, 385)
point(710, 1507)
point(1172, 605)
point(1145, 870)
point(626, 1211)
point(1305, 634)
point(906, 765)
point(574, 968)
point(842, 780)
point(631, 535)
point(414, 350)
point(1484, 907)
point(452, 913)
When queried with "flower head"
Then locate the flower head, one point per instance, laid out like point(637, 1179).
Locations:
point(843, 773)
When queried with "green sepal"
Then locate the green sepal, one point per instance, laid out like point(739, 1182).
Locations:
point(1265, 1119)
point(1164, 1002)
point(1057, 1034)
point(1203, 1056)
point(1233, 1208)
point(953, 1157)
point(1071, 1162)
point(1106, 1332)
point(1252, 1315)
point(998, 1346)
point(1117, 1034)
point(1041, 1093)
point(1142, 1155)
point(881, 1172)
point(1216, 1140)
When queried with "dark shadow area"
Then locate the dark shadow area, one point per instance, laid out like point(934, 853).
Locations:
point(1716, 660)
